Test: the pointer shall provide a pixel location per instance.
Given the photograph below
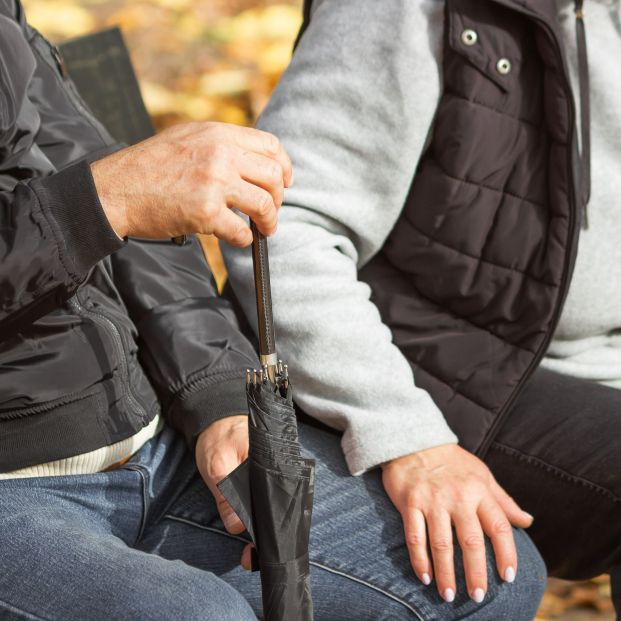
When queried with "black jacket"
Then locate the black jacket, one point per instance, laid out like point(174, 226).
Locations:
point(96, 335)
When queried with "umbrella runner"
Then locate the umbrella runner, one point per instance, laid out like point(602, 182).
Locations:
point(272, 491)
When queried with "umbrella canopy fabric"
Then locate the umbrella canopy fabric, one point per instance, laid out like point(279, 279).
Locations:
point(272, 493)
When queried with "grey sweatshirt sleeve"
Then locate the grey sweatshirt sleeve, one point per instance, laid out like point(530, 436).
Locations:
point(353, 111)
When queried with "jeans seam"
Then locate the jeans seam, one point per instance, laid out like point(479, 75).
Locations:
point(21, 611)
point(145, 499)
point(315, 563)
point(540, 463)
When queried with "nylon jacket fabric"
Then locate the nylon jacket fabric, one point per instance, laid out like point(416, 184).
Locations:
point(96, 335)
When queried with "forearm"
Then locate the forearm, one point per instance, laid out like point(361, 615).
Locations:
point(345, 369)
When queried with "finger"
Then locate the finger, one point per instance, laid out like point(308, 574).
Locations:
point(266, 144)
point(229, 227)
point(229, 518)
point(472, 544)
point(416, 541)
point(256, 203)
point(441, 545)
point(265, 172)
point(514, 513)
point(246, 558)
point(498, 528)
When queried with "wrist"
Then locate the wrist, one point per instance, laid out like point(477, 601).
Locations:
point(424, 458)
point(113, 207)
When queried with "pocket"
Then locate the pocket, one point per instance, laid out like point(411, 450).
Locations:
point(489, 37)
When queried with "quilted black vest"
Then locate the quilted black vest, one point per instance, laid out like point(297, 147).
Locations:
point(473, 277)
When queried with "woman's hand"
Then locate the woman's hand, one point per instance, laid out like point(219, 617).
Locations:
point(447, 486)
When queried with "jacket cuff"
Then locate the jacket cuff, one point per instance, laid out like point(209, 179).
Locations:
point(193, 412)
point(71, 204)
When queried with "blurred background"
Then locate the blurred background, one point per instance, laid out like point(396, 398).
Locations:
point(219, 60)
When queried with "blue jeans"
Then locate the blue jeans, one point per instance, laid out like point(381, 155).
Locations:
point(145, 542)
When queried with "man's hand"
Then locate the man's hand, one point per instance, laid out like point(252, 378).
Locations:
point(443, 486)
point(188, 179)
point(219, 450)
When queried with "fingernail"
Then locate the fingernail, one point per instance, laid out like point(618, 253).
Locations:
point(426, 579)
point(529, 516)
point(449, 595)
point(478, 595)
point(509, 574)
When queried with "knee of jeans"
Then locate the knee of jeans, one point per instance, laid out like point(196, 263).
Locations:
point(227, 604)
point(520, 600)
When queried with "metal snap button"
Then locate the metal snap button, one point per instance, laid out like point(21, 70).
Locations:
point(469, 37)
point(503, 66)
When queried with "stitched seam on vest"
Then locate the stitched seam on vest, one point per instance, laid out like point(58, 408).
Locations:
point(489, 187)
point(487, 408)
point(476, 102)
point(453, 314)
point(479, 259)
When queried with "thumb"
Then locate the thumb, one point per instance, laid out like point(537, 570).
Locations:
point(220, 467)
point(229, 518)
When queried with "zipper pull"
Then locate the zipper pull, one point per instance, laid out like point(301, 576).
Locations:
point(60, 62)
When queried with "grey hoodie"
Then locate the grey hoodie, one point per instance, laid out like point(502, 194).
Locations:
point(353, 110)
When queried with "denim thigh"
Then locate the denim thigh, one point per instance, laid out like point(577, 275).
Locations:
point(67, 553)
point(359, 561)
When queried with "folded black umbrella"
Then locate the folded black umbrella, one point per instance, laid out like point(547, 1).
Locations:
point(272, 491)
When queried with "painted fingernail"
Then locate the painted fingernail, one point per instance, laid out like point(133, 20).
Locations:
point(426, 579)
point(478, 595)
point(509, 574)
point(449, 595)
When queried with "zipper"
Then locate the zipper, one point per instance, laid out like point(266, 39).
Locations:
point(569, 257)
point(109, 326)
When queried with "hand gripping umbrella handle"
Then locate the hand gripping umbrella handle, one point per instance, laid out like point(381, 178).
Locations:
point(263, 291)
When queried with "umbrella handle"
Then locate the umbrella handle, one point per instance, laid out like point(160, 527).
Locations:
point(263, 292)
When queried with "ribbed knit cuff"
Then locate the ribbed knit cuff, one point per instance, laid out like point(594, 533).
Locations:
point(195, 411)
point(69, 199)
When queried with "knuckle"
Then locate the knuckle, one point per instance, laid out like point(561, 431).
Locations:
point(441, 544)
point(217, 154)
point(472, 541)
point(271, 144)
point(275, 173)
point(264, 205)
point(212, 196)
point(414, 539)
point(238, 234)
point(501, 526)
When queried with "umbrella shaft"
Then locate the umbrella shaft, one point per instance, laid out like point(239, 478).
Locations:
point(263, 291)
